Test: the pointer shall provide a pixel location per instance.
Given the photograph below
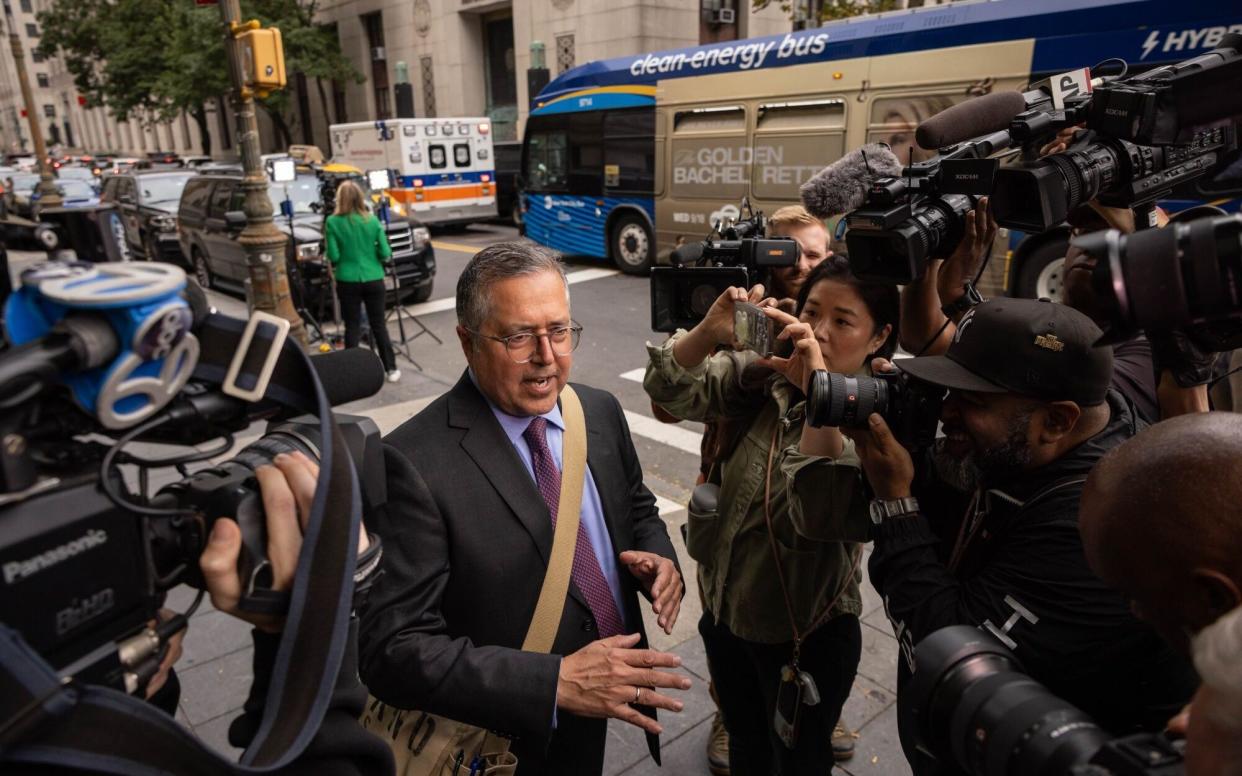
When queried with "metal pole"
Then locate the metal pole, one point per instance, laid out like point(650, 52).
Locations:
point(48, 195)
point(263, 243)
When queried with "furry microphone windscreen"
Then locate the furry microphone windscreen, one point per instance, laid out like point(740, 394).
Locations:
point(843, 185)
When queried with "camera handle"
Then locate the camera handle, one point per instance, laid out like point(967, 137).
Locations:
point(46, 720)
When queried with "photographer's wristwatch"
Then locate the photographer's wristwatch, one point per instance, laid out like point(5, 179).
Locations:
point(883, 508)
point(969, 298)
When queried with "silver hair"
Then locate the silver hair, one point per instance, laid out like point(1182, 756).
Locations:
point(494, 263)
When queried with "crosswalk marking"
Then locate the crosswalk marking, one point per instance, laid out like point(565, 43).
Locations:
point(458, 247)
point(634, 374)
point(669, 434)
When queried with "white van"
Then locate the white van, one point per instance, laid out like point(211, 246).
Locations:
point(444, 168)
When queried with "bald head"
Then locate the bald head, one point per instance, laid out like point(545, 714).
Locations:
point(1161, 519)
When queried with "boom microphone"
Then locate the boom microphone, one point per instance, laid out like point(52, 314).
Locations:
point(972, 118)
point(843, 185)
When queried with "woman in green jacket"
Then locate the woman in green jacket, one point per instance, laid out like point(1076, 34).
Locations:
point(779, 558)
point(358, 248)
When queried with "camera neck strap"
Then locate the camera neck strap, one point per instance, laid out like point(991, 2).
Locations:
point(798, 636)
point(46, 721)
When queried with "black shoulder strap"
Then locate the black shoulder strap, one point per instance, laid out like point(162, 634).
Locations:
point(46, 722)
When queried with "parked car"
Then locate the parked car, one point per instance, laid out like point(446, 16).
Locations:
point(76, 173)
point(18, 190)
point(508, 167)
point(210, 219)
point(73, 193)
point(147, 201)
point(194, 162)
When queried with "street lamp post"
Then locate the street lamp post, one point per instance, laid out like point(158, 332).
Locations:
point(263, 243)
point(48, 195)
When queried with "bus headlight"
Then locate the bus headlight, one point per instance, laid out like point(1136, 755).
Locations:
point(309, 250)
point(421, 236)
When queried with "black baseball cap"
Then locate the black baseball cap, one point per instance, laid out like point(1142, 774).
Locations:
point(1029, 347)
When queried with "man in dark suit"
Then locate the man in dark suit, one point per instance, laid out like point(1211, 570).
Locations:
point(473, 483)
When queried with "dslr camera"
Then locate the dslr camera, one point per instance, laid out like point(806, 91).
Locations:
point(910, 407)
point(970, 704)
point(736, 253)
point(107, 360)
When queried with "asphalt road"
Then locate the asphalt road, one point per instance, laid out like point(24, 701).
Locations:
point(614, 311)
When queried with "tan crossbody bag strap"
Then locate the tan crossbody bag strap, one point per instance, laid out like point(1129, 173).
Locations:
point(547, 618)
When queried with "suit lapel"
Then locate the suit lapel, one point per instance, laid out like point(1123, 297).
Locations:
point(490, 449)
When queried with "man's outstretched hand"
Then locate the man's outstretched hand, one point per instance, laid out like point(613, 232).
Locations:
point(659, 577)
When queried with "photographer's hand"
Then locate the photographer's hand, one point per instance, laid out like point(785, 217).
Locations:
point(888, 465)
point(715, 329)
point(964, 263)
point(806, 357)
point(287, 488)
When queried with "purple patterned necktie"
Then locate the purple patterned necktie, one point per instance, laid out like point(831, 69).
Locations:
point(586, 571)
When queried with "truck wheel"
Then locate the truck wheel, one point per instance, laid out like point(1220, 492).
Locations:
point(1040, 275)
point(630, 245)
point(202, 273)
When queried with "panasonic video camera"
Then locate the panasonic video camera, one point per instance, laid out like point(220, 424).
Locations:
point(920, 216)
point(99, 375)
point(737, 253)
point(1145, 136)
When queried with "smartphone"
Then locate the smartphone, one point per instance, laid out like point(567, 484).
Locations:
point(753, 329)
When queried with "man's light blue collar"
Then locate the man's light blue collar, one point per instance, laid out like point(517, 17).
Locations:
point(515, 425)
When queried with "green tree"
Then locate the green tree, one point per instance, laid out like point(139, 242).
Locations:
point(157, 58)
point(827, 10)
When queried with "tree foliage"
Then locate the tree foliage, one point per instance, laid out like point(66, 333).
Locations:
point(153, 59)
point(817, 11)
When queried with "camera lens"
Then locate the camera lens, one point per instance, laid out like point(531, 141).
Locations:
point(969, 703)
point(849, 401)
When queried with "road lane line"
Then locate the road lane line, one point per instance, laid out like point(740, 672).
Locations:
point(634, 374)
point(665, 433)
point(450, 303)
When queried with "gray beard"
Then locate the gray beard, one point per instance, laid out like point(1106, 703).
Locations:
point(994, 465)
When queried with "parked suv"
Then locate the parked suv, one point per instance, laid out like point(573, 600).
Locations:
point(210, 219)
point(147, 201)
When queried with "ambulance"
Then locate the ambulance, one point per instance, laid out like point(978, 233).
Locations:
point(444, 168)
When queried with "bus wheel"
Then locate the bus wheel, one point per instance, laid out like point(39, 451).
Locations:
point(1041, 274)
point(630, 245)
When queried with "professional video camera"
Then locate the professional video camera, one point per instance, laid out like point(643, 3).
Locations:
point(1187, 275)
point(906, 221)
point(105, 356)
point(910, 407)
point(969, 703)
point(1146, 135)
point(735, 253)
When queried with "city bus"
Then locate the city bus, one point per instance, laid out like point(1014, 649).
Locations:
point(626, 158)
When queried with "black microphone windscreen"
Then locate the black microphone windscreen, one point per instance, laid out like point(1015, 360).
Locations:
point(843, 185)
point(980, 116)
point(348, 375)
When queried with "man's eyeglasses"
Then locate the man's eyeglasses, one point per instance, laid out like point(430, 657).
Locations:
point(521, 346)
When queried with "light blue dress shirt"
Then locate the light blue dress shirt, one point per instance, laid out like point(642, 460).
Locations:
point(592, 509)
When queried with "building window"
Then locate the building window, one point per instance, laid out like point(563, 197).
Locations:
point(429, 87)
point(373, 24)
point(41, 79)
point(36, 57)
point(26, 7)
point(49, 111)
point(564, 53)
point(32, 30)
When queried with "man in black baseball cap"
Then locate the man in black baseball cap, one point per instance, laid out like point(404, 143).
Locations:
point(987, 534)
